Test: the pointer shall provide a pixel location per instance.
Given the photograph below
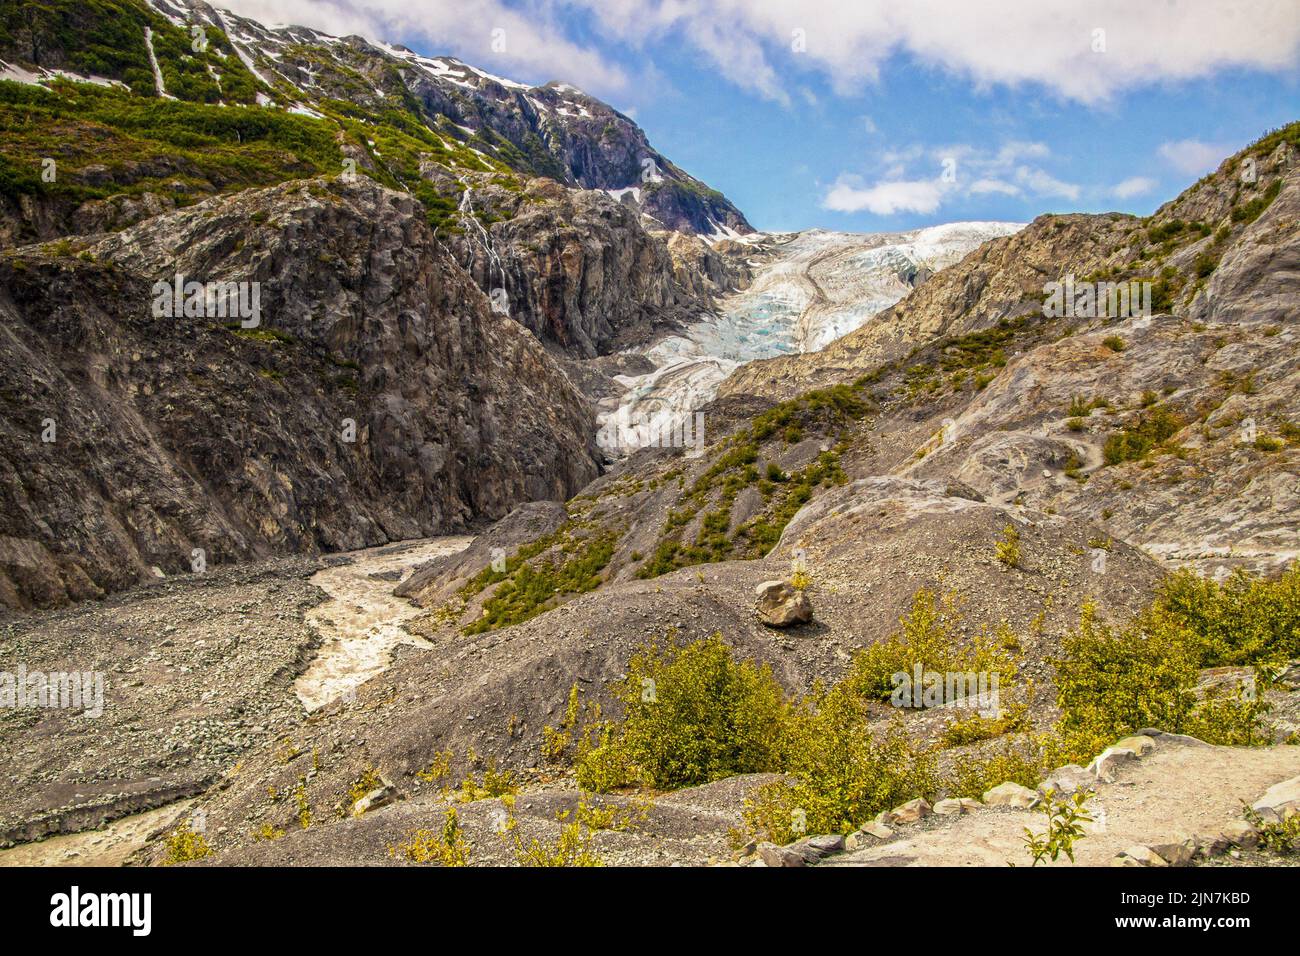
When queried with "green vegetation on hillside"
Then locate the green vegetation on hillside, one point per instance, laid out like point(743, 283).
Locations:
point(712, 495)
point(1149, 433)
point(694, 713)
point(106, 38)
point(146, 144)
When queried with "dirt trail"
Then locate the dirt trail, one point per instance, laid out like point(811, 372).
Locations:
point(1177, 791)
point(362, 623)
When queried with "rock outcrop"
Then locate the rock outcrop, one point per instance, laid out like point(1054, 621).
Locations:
point(576, 268)
point(379, 397)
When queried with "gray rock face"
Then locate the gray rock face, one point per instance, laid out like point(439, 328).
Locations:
point(379, 399)
point(577, 268)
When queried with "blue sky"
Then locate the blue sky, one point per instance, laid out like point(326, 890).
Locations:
point(869, 115)
point(780, 164)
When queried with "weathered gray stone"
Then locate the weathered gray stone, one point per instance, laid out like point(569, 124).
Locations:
point(1139, 744)
point(773, 855)
point(858, 839)
point(1156, 733)
point(1280, 798)
point(1140, 856)
point(1068, 779)
point(1210, 845)
point(956, 805)
point(379, 797)
point(1107, 764)
point(826, 844)
point(1180, 853)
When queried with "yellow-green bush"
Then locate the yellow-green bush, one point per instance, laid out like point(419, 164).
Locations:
point(1021, 762)
point(838, 773)
point(447, 848)
point(573, 848)
point(183, 845)
point(1111, 682)
point(691, 714)
point(1243, 620)
point(929, 636)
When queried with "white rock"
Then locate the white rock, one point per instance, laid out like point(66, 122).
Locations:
point(1108, 763)
point(1011, 795)
point(956, 805)
point(1282, 798)
point(379, 797)
point(1068, 779)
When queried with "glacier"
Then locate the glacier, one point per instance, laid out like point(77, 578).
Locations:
point(810, 288)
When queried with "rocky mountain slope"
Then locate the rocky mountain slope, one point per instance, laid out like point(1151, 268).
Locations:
point(922, 474)
point(968, 481)
point(1177, 430)
point(380, 398)
point(404, 219)
point(554, 131)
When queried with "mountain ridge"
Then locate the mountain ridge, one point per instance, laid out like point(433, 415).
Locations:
point(553, 130)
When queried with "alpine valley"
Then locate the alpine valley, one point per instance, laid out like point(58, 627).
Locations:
point(375, 539)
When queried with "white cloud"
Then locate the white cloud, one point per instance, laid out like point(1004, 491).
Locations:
point(982, 187)
point(915, 178)
point(1193, 157)
point(749, 42)
point(1133, 186)
point(536, 48)
point(885, 198)
point(1046, 42)
point(1044, 184)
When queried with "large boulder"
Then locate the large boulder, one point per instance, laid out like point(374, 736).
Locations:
point(782, 605)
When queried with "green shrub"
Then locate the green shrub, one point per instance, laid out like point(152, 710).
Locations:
point(839, 774)
point(929, 637)
point(446, 848)
point(528, 587)
point(1081, 407)
point(1007, 548)
point(691, 714)
point(1111, 682)
point(1249, 212)
point(1154, 426)
point(571, 848)
point(1021, 762)
point(1241, 621)
point(183, 845)
point(1065, 817)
